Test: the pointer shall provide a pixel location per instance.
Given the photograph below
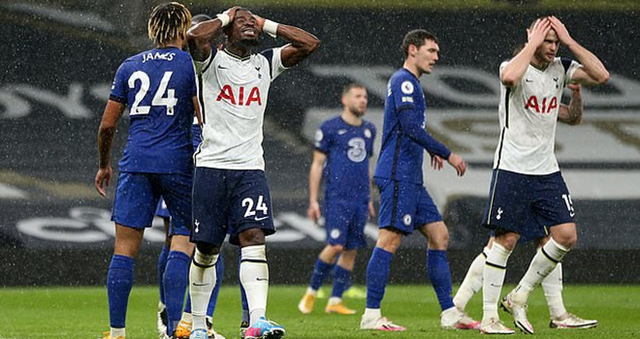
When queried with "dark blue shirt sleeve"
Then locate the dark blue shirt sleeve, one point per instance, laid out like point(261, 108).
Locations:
point(412, 126)
point(323, 139)
point(120, 88)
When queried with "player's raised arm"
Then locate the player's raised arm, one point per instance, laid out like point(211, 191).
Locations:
point(592, 71)
point(513, 71)
point(199, 37)
point(572, 114)
point(302, 43)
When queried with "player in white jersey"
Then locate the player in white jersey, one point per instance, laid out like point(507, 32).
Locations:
point(230, 189)
point(527, 183)
point(552, 285)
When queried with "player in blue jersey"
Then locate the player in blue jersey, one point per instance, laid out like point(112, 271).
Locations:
point(159, 88)
point(230, 189)
point(405, 204)
point(167, 263)
point(527, 182)
point(343, 146)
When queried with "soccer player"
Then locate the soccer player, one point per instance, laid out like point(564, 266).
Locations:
point(176, 267)
point(230, 188)
point(552, 284)
point(160, 89)
point(343, 146)
point(527, 183)
point(405, 204)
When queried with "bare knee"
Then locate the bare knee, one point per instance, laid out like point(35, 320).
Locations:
point(251, 237)
point(506, 239)
point(565, 235)
point(389, 240)
point(437, 235)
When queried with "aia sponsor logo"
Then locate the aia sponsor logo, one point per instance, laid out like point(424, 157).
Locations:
point(241, 98)
point(544, 106)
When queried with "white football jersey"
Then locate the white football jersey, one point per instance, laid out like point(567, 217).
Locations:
point(233, 93)
point(528, 115)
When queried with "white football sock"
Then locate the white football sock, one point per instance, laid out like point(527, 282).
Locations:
point(202, 279)
point(186, 317)
point(552, 286)
point(472, 282)
point(334, 301)
point(495, 269)
point(254, 277)
point(541, 265)
point(115, 332)
point(312, 291)
point(371, 313)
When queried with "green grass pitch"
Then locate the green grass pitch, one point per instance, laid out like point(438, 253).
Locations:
point(81, 313)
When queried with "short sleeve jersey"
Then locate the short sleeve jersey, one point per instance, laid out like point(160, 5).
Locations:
point(158, 86)
point(233, 95)
point(348, 149)
point(528, 115)
point(400, 157)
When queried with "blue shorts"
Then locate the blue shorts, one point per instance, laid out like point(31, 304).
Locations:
point(405, 206)
point(229, 201)
point(528, 204)
point(345, 221)
point(162, 210)
point(174, 229)
point(137, 197)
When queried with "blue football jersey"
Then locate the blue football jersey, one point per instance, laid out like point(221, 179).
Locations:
point(348, 149)
point(404, 138)
point(158, 86)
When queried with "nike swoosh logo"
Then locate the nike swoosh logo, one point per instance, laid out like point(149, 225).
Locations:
point(260, 219)
point(221, 67)
point(528, 80)
point(262, 279)
point(196, 284)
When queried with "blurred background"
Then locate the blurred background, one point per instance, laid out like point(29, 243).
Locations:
point(60, 57)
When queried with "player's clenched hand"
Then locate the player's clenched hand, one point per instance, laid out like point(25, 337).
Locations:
point(576, 88)
point(103, 178)
point(538, 32)
point(314, 211)
point(436, 162)
point(372, 210)
point(457, 163)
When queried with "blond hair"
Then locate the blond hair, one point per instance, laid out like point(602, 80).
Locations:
point(168, 22)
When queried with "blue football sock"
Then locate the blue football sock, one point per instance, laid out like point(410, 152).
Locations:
point(320, 271)
point(119, 284)
point(377, 276)
point(216, 289)
point(440, 276)
point(176, 277)
point(341, 281)
point(162, 264)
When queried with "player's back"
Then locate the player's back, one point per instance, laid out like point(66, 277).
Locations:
point(158, 86)
point(348, 149)
point(400, 157)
